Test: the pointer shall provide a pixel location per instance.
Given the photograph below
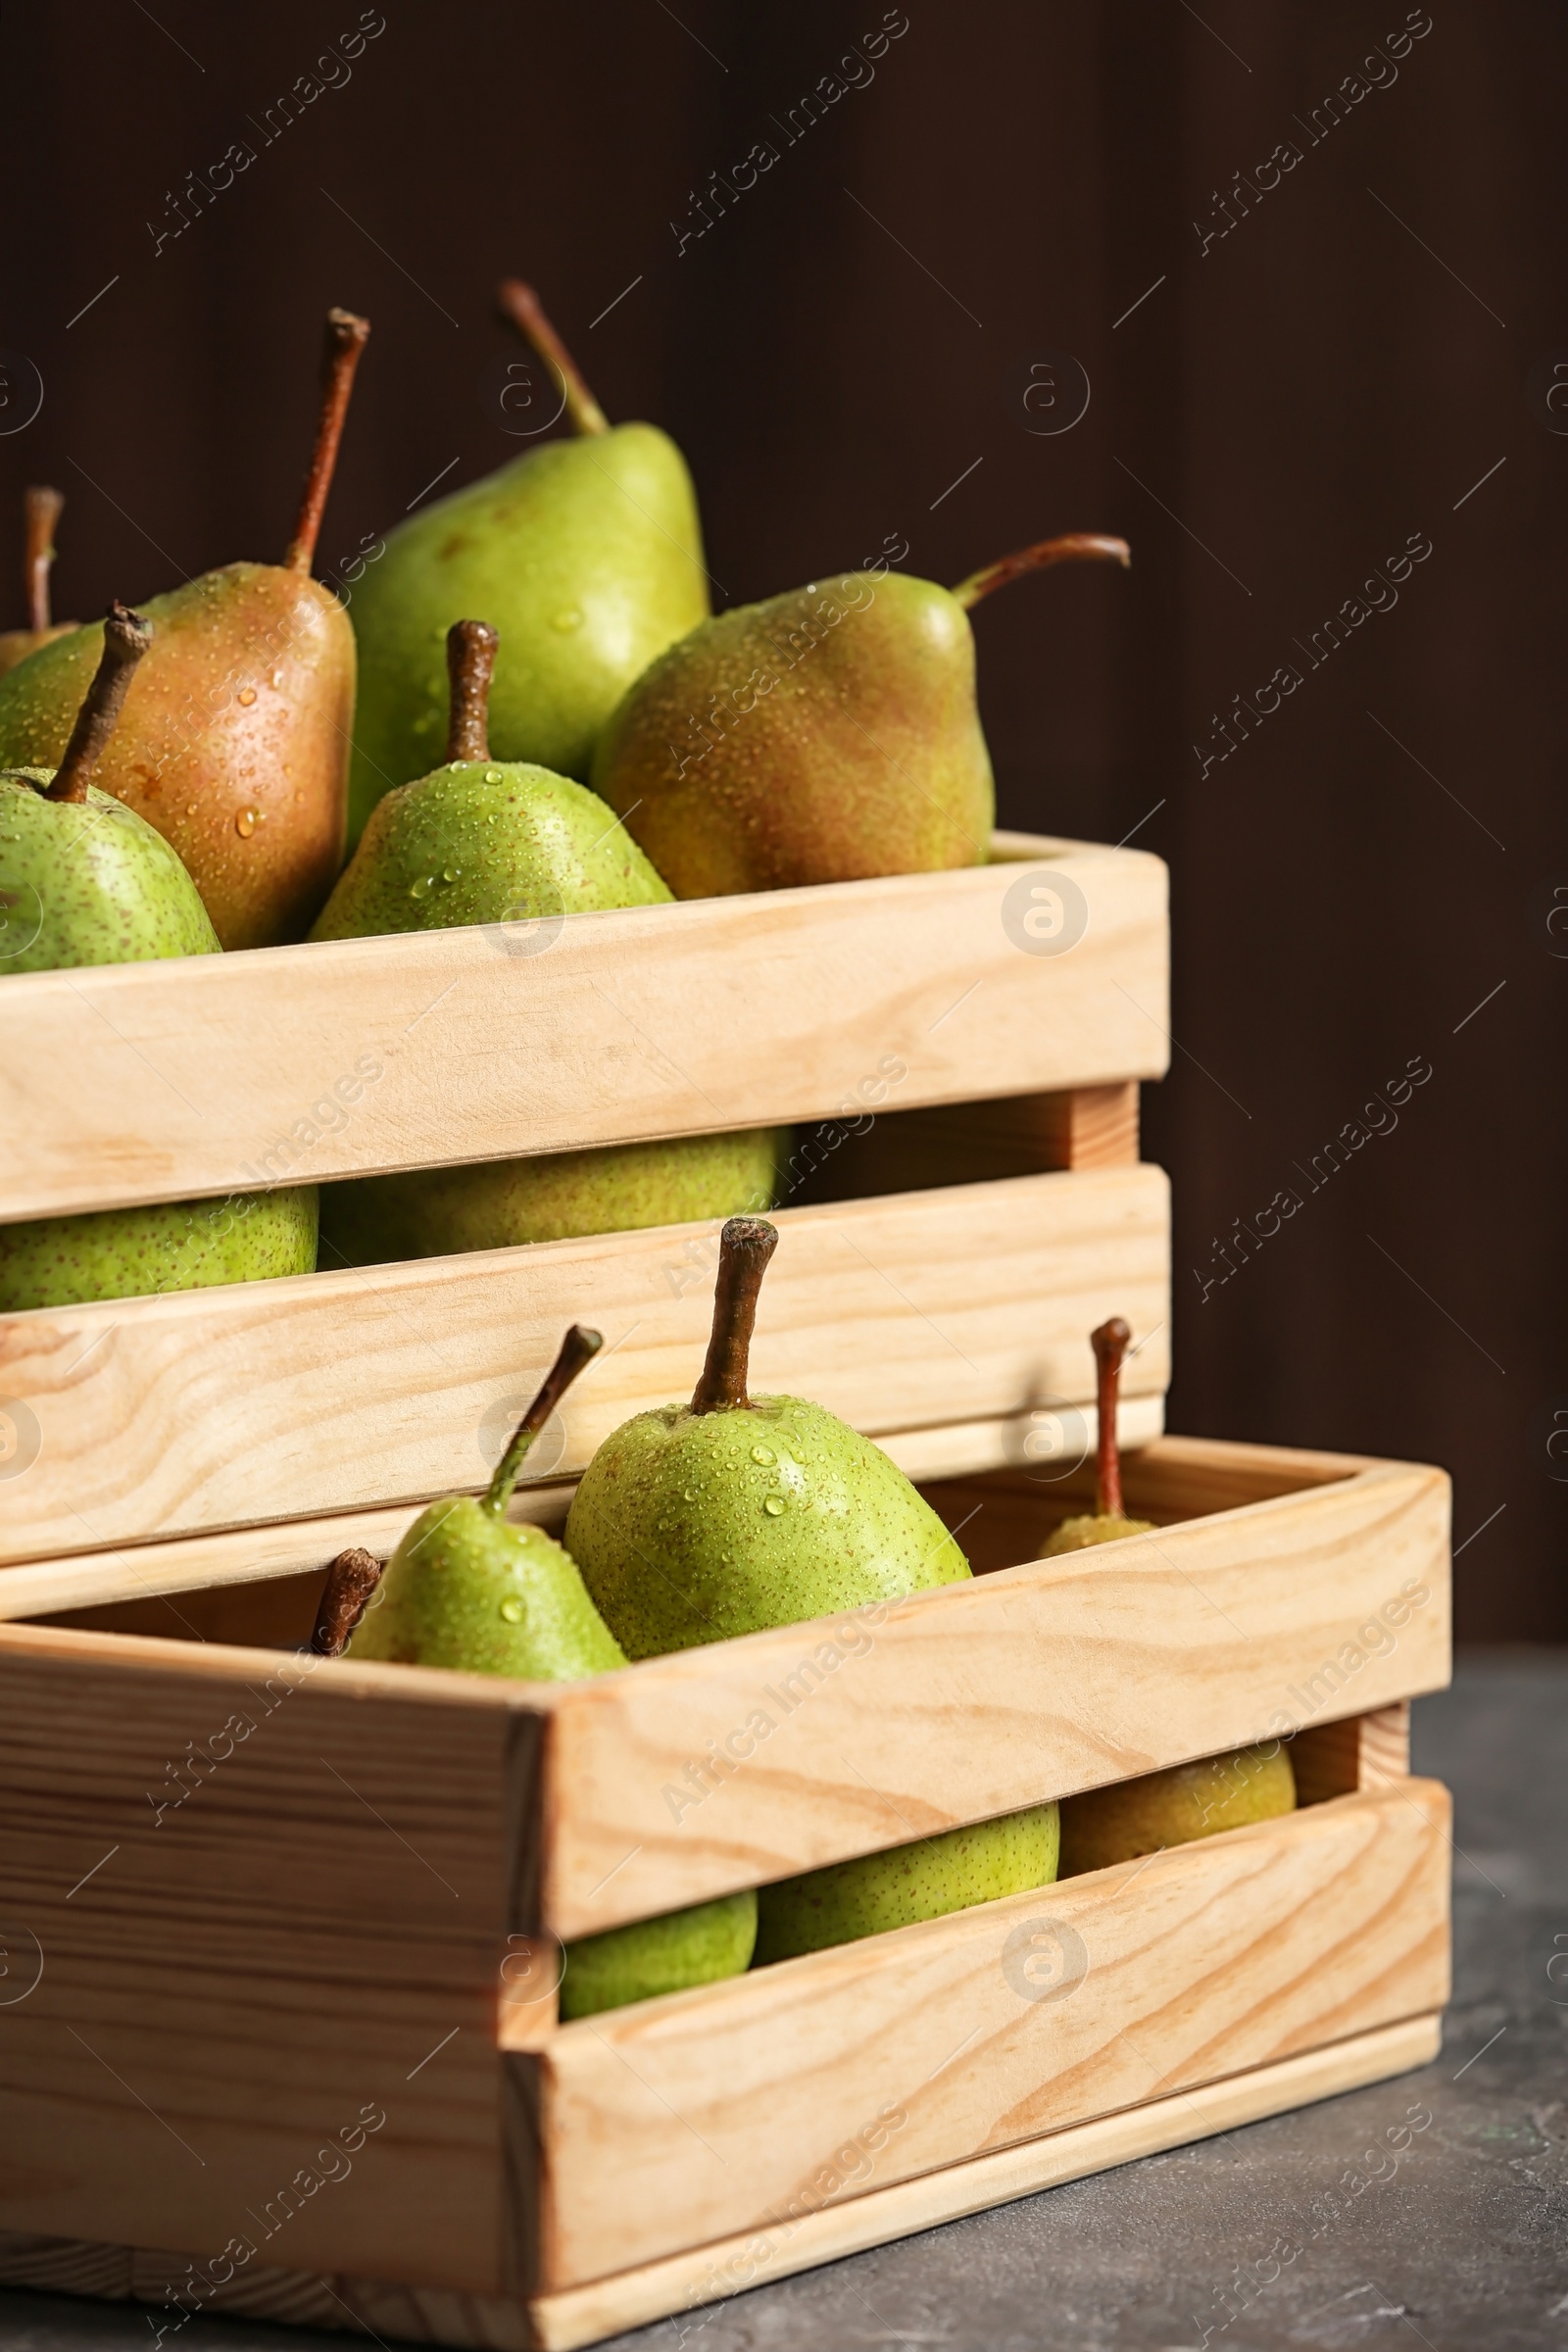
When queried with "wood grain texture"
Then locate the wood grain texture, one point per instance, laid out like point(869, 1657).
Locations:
point(742, 1762)
point(563, 2322)
point(1361, 1751)
point(962, 1143)
point(191, 1564)
point(264, 1899)
point(167, 1081)
point(331, 1392)
point(755, 2101)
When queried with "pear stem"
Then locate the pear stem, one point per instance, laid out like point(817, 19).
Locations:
point(1109, 1344)
point(470, 666)
point(126, 637)
point(577, 1350)
point(745, 1246)
point(40, 507)
point(349, 1582)
point(1073, 546)
point(523, 306)
point(346, 337)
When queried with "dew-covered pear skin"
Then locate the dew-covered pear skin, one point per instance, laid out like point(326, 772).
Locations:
point(697, 1527)
point(844, 743)
point(1138, 1817)
point(651, 1956)
point(88, 882)
point(169, 1246)
point(234, 741)
point(926, 1879)
point(585, 555)
point(468, 1590)
point(1089, 1528)
point(487, 841)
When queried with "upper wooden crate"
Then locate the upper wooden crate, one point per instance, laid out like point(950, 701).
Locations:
point(210, 1075)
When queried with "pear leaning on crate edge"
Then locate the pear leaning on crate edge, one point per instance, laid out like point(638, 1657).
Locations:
point(1138, 1817)
point(235, 741)
point(586, 553)
point(509, 843)
point(827, 735)
point(84, 880)
point(40, 512)
point(695, 1523)
point(470, 1589)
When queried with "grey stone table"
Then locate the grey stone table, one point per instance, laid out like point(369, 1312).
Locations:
point(1463, 2247)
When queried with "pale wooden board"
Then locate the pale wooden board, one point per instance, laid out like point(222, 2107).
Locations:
point(172, 1080)
point(223, 1989)
point(714, 2112)
point(1363, 1751)
point(960, 1142)
point(1091, 1668)
point(329, 1392)
point(295, 1546)
point(579, 2316)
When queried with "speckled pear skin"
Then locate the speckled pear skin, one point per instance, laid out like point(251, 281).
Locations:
point(468, 1590)
point(696, 1527)
point(503, 1203)
point(251, 794)
point(1171, 1808)
point(926, 1879)
point(660, 1955)
point(171, 1246)
point(1090, 1528)
point(487, 841)
point(88, 882)
point(586, 554)
point(17, 643)
point(863, 757)
point(471, 1591)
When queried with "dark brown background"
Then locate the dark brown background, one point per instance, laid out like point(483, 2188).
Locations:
point(1319, 384)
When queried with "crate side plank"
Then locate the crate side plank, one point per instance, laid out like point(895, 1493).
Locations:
point(200, 1076)
point(744, 1762)
point(202, 1409)
point(580, 2315)
point(259, 1905)
point(1230, 1952)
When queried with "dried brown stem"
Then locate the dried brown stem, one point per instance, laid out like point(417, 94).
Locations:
point(349, 1582)
point(126, 637)
point(40, 508)
point(346, 338)
point(523, 306)
point(470, 666)
point(1109, 1344)
point(744, 1248)
point(578, 1350)
point(1073, 546)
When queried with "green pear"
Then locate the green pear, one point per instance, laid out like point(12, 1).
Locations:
point(84, 880)
point(470, 1589)
point(827, 735)
point(586, 553)
point(1172, 1807)
point(505, 843)
point(950, 1871)
point(695, 1523)
point(1107, 1522)
point(235, 741)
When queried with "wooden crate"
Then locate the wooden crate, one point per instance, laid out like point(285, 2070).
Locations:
point(277, 2022)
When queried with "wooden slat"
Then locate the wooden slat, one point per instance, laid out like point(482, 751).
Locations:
point(333, 1393)
point(851, 1734)
point(960, 1142)
point(301, 1548)
point(715, 2112)
point(158, 1081)
point(579, 2315)
point(226, 1985)
point(1361, 1751)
